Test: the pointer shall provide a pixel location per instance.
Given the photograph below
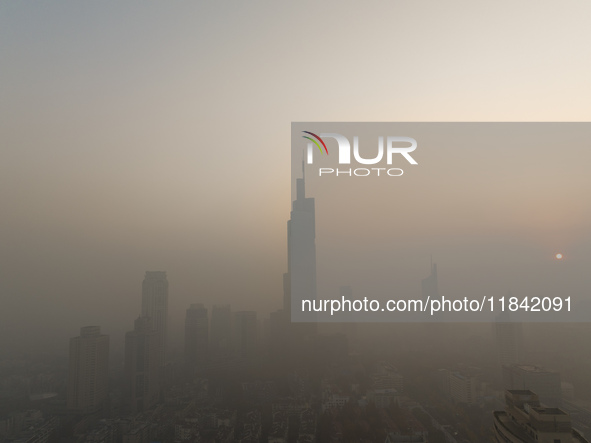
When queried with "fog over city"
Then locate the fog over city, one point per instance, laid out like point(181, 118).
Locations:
point(148, 182)
point(157, 137)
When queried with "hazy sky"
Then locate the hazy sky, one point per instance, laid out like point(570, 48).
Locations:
point(492, 203)
point(156, 136)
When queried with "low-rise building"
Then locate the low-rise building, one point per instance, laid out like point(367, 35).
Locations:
point(525, 420)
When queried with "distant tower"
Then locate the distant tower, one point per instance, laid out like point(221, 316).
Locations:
point(429, 284)
point(245, 332)
point(196, 335)
point(142, 373)
point(155, 306)
point(88, 370)
point(221, 328)
point(509, 339)
point(300, 281)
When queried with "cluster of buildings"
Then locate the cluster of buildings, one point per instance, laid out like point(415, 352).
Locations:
point(407, 429)
point(462, 386)
point(526, 420)
point(145, 349)
point(219, 339)
point(301, 417)
point(29, 426)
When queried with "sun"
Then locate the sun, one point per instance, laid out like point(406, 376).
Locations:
point(559, 256)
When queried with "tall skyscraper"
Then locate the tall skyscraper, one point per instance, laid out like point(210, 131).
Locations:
point(88, 370)
point(429, 284)
point(301, 249)
point(245, 332)
point(155, 306)
point(287, 338)
point(142, 372)
point(221, 329)
point(435, 332)
point(196, 335)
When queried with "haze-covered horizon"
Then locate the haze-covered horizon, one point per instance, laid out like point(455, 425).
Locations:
point(152, 136)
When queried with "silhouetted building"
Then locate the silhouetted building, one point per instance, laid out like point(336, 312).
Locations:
point(429, 287)
point(142, 371)
point(88, 374)
point(196, 335)
point(155, 306)
point(287, 339)
point(221, 328)
point(386, 376)
point(509, 340)
point(245, 332)
point(526, 421)
point(299, 283)
point(301, 249)
point(463, 387)
point(546, 384)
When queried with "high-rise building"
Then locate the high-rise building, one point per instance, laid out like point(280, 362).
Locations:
point(545, 383)
point(245, 332)
point(525, 420)
point(509, 340)
point(221, 329)
point(429, 287)
point(301, 250)
point(155, 306)
point(142, 371)
point(287, 339)
point(196, 335)
point(88, 370)
point(463, 387)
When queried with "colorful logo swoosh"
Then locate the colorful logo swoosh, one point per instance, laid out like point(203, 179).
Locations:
point(314, 141)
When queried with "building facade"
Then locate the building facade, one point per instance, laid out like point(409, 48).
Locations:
point(155, 307)
point(196, 335)
point(142, 371)
point(88, 374)
point(525, 420)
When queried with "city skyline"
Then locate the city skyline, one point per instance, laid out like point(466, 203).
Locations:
point(164, 221)
point(90, 152)
point(150, 374)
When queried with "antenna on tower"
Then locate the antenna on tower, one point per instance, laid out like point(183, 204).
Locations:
point(303, 167)
point(301, 183)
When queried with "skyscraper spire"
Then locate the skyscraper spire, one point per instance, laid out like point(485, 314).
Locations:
point(301, 247)
point(429, 284)
point(301, 184)
point(303, 169)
